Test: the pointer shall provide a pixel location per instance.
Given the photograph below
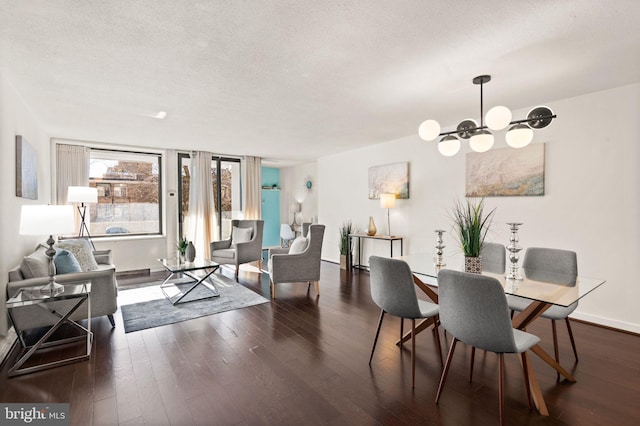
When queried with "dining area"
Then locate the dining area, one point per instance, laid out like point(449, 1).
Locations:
point(489, 310)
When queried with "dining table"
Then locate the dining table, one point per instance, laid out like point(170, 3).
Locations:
point(542, 288)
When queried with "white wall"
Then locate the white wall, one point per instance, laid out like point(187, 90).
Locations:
point(292, 182)
point(591, 202)
point(17, 119)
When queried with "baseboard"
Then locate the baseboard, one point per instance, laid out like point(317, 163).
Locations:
point(6, 343)
point(606, 322)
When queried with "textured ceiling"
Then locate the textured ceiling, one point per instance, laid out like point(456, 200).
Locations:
point(295, 80)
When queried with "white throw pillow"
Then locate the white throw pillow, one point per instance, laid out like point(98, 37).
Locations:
point(240, 235)
point(36, 264)
point(83, 252)
point(298, 245)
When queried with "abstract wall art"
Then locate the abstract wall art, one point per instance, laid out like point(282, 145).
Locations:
point(389, 178)
point(506, 172)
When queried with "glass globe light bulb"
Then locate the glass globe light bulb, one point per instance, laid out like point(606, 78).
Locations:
point(449, 146)
point(429, 130)
point(498, 118)
point(519, 136)
point(482, 141)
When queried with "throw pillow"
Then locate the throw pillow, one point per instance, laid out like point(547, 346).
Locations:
point(36, 264)
point(240, 235)
point(298, 245)
point(66, 262)
point(82, 250)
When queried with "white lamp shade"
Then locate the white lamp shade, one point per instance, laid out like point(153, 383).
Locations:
point(46, 220)
point(449, 146)
point(519, 136)
point(388, 201)
point(481, 141)
point(498, 118)
point(82, 194)
point(429, 130)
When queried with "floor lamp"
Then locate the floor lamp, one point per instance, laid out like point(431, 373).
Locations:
point(83, 195)
point(42, 220)
point(388, 201)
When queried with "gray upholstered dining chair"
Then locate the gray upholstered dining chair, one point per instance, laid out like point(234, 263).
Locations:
point(393, 290)
point(493, 257)
point(298, 263)
point(473, 308)
point(245, 244)
point(538, 261)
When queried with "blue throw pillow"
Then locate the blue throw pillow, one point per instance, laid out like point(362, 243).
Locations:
point(66, 262)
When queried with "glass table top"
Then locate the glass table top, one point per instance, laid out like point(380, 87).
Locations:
point(536, 284)
point(33, 295)
point(177, 265)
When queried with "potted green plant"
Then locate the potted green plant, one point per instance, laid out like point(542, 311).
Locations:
point(182, 247)
point(345, 247)
point(471, 226)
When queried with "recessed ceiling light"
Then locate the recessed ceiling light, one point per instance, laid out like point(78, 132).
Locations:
point(161, 115)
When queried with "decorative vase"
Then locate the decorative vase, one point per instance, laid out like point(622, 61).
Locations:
point(190, 252)
point(372, 227)
point(343, 261)
point(473, 264)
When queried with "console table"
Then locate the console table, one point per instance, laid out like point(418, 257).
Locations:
point(390, 238)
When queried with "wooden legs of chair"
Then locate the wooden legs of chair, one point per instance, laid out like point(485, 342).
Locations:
point(272, 288)
point(556, 352)
point(375, 339)
point(413, 353)
point(525, 367)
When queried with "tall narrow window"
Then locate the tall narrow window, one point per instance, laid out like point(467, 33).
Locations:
point(129, 199)
point(227, 195)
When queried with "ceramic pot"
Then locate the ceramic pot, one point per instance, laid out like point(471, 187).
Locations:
point(372, 227)
point(190, 252)
point(473, 264)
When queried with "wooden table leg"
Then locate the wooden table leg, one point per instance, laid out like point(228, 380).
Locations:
point(536, 393)
point(421, 326)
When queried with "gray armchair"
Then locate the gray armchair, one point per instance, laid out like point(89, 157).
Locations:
point(224, 252)
point(285, 267)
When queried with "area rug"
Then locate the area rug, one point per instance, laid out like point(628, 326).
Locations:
point(147, 307)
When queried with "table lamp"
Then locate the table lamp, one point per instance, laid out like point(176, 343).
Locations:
point(83, 195)
point(388, 201)
point(47, 219)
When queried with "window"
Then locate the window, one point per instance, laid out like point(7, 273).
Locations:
point(128, 186)
point(227, 195)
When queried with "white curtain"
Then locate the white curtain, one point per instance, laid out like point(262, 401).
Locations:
point(201, 220)
point(72, 169)
point(252, 187)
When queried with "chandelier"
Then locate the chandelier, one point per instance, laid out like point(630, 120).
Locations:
point(520, 133)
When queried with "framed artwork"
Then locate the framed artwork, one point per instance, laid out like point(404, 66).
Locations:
point(389, 178)
point(26, 169)
point(506, 172)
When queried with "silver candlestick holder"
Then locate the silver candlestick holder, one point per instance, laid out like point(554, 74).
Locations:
point(439, 261)
point(514, 248)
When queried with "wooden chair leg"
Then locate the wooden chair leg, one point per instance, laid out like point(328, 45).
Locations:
point(317, 288)
point(237, 270)
point(573, 342)
point(523, 357)
point(308, 286)
point(555, 345)
point(273, 290)
point(437, 337)
point(443, 378)
point(413, 353)
point(473, 357)
point(375, 339)
point(501, 388)
point(401, 330)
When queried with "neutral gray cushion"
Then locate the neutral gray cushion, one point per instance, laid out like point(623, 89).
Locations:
point(82, 250)
point(240, 235)
point(299, 245)
point(36, 264)
point(226, 253)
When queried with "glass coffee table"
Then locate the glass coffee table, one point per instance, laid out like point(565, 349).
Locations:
point(177, 266)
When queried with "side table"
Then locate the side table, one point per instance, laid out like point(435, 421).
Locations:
point(78, 294)
point(389, 238)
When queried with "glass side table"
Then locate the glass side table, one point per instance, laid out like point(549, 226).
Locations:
point(77, 294)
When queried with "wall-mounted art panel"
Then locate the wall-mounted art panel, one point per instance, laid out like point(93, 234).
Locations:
point(389, 178)
point(506, 172)
point(26, 169)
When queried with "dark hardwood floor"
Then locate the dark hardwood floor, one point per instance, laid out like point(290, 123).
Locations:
point(302, 360)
